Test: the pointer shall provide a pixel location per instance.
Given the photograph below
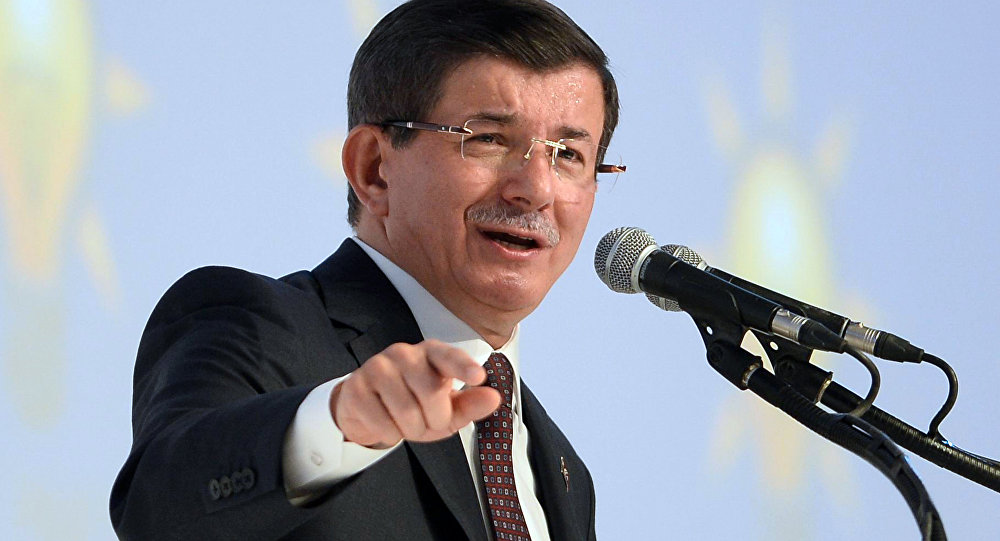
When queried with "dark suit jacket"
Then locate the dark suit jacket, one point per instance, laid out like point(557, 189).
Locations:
point(224, 362)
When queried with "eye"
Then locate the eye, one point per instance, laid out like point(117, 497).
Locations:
point(484, 138)
point(484, 144)
point(569, 154)
point(572, 154)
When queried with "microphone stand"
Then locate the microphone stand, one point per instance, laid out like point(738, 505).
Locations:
point(791, 364)
point(746, 371)
point(973, 467)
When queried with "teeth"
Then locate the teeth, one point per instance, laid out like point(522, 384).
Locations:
point(512, 241)
point(512, 245)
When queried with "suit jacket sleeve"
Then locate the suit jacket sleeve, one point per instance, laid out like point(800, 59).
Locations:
point(224, 362)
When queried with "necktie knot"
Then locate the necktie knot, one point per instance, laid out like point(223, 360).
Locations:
point(500, 376)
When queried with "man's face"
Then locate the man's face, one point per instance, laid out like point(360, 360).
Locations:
point(442, 222)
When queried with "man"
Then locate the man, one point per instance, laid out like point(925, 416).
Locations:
point(341, 403)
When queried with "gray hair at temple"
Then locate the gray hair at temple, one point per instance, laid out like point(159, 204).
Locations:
point(398, 70)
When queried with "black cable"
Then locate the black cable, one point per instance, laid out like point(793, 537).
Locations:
point(745, 371)
point(982, 470)
point(792, 365)
point(863, 406)
point(934, 429)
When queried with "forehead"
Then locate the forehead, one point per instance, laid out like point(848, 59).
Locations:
point(570, 96)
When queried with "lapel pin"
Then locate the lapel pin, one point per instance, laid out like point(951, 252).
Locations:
point(565, 472)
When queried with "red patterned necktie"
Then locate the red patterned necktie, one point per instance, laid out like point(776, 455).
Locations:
point(495, 450)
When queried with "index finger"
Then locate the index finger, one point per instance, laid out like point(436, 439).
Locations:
point(452, 362)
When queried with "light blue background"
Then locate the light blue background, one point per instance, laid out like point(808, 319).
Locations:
point(218, 167)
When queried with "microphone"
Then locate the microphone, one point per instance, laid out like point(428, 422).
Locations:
point(882, 344)
point(629, 261)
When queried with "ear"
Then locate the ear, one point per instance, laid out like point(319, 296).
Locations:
point(361, 157)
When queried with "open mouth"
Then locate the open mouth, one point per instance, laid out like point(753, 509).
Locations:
point(512, 242)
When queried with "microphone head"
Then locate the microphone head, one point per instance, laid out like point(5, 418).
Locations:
point(619, 256)
point(686, 255)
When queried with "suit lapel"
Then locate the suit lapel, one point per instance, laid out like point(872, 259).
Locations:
point(549, 453)
point(446, 465)
point(357, 294)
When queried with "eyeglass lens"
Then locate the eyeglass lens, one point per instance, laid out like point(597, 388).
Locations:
point(499, 144)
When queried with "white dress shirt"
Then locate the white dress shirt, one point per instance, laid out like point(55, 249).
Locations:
point(316, 455)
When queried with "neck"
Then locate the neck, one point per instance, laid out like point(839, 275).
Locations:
point(495, 327)
point(496, 340)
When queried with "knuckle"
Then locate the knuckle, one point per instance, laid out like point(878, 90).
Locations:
point(398, 349)
point(379, 367)
point(404, 356)
point(351, 390)
point(412, 362)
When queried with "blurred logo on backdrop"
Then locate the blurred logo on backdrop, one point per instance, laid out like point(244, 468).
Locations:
point(46, 107)
point(778, 236)
point(47, 85)
point(55, 87)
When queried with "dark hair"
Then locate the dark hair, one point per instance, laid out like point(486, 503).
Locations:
point(398, 70)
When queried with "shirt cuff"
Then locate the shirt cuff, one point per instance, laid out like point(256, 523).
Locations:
point(315, 455)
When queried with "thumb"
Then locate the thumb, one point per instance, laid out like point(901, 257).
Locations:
point(472, 404)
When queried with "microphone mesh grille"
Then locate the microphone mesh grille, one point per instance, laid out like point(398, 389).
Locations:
point(686, 255)
point(617, 255)
point(670, 305)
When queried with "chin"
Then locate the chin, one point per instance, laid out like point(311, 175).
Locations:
point(514, 295)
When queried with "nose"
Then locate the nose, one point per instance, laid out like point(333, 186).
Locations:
point(531, 185)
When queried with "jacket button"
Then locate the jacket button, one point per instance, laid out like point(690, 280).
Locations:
point(249, 479)
point(214, 490)
point(226, 485)
point(237, 479)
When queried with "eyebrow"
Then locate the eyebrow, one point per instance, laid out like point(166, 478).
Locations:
point(565, 132)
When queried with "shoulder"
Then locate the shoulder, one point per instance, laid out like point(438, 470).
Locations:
point(223, 312)
point(209, 288)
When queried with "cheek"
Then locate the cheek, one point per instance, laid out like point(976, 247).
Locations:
point(430, 213)
point(574, 217)
point(573, 221)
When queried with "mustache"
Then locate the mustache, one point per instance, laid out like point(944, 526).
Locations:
point(506, 215)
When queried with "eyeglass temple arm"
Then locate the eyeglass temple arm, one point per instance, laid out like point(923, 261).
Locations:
point(427, 126)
